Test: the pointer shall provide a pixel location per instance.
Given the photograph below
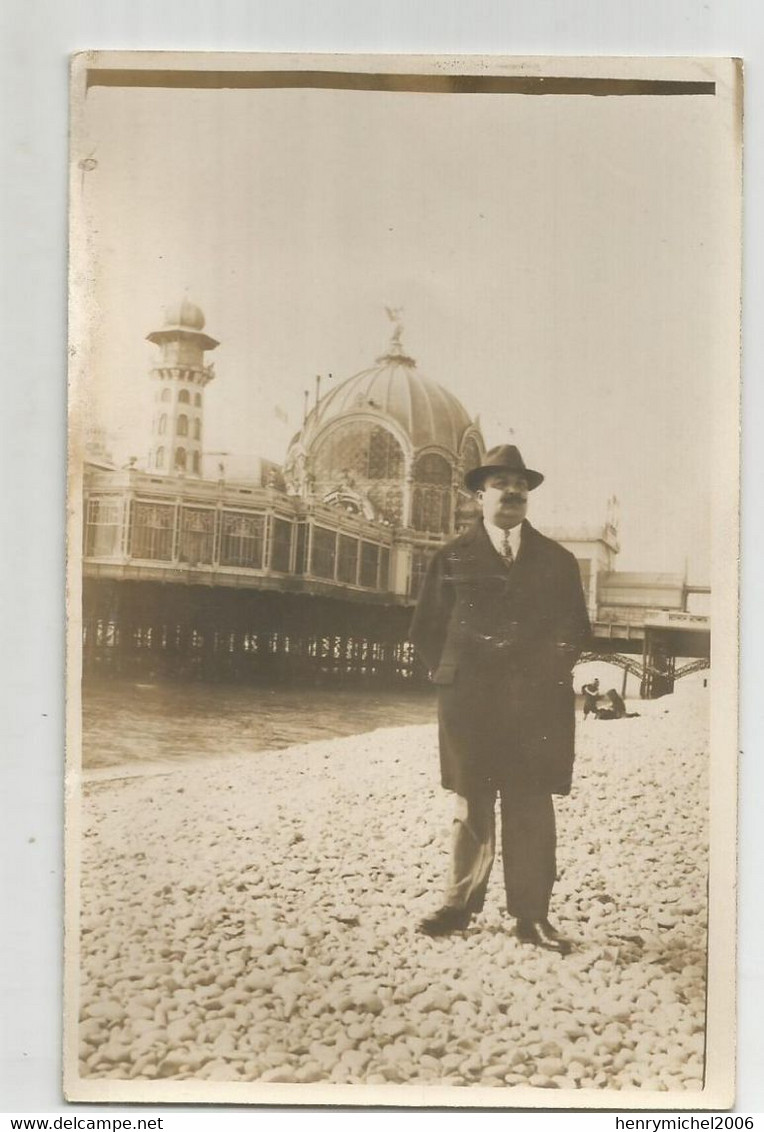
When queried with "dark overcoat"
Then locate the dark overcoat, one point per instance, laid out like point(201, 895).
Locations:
point(501, 642)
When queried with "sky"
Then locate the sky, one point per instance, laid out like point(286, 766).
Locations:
point(561, 265)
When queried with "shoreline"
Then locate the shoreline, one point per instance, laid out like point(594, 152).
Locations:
point(138, 769)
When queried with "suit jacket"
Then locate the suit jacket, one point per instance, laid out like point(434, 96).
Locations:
point(501, 643)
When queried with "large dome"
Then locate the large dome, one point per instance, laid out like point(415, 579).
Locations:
point(426, 412)
point(388, 443)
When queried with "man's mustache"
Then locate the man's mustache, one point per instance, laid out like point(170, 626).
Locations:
point(514, 498)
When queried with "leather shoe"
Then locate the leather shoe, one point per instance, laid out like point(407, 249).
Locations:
point(445, 921)
point(541, 934)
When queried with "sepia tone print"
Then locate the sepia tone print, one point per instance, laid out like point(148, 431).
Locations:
point(403, 457)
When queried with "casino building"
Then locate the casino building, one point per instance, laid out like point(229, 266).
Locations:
point(311, 568)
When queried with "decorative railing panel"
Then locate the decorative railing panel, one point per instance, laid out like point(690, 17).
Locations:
point(152, 528)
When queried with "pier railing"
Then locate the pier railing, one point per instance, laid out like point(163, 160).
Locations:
point(206, 577)
point(231, 536)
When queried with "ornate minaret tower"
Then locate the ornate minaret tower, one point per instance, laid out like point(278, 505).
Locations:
point(180, 377)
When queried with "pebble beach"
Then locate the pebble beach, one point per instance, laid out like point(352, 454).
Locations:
point(252, 918)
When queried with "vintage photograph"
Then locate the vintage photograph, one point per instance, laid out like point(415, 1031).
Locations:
point(402, 603)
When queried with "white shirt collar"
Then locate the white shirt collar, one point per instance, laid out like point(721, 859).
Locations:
point(496, 535)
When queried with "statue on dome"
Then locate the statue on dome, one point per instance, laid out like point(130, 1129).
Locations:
point(395, 314)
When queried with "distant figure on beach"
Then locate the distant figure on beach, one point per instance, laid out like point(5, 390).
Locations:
point(611, 706)
point(501, 621)
point(590, 693)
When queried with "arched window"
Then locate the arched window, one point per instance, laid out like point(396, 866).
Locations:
point(162, 429)
point(197, 429)
point(159, 460)
point(180, 459)
point(166, 394)
point(196, 463)
point(362, 450)
point(431, 502)
point(198, 400)
point(367, 459)
point(182, 425)
point(184, 397)
point(470, 454)
point(433, 468)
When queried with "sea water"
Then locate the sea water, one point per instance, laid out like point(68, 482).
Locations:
point(127, 722)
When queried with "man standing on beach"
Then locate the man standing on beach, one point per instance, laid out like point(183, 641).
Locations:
point(501, 621)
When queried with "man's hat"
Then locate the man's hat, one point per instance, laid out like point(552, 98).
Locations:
point(504, 458)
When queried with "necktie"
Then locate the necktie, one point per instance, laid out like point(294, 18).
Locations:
point(506, 549)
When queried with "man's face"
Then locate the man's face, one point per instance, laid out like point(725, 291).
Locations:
point(503, 499)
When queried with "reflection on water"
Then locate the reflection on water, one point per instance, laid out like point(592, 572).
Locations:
point(127, 722)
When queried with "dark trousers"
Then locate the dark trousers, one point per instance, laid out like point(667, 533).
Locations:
point(528, 844)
